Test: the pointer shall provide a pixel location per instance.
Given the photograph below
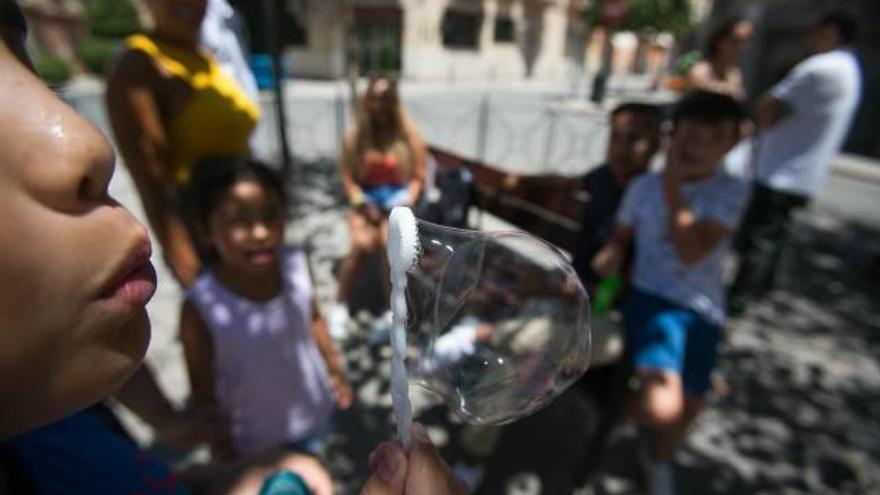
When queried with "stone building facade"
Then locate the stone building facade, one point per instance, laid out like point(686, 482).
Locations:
point(438, 39)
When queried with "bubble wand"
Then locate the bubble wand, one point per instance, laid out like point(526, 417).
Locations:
point(403, 251)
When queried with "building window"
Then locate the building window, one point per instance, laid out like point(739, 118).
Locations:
point(504, 32)
point(461, 29)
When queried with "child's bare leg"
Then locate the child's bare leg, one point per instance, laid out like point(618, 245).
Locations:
point(667, 439)
point(659, 404)
point(363, 236)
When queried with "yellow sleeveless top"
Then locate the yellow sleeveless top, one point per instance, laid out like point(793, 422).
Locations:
point(218, 119)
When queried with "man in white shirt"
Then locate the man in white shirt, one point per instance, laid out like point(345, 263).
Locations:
point(804, 120)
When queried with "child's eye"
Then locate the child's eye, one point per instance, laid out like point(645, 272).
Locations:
point(238, 220)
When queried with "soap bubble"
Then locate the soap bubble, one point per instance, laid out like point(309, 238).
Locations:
point(498, 322)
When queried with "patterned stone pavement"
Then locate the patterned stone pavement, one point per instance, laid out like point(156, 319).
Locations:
point(802, 368)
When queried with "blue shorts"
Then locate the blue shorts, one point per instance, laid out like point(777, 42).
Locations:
point(663, 335)
point(385, 197)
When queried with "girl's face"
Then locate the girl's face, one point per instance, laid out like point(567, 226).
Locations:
point(733, 46)
point(74, 264)
point(247, 227)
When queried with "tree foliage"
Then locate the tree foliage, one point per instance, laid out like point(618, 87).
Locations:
point(52, 69)
point(673, 16)
point(112, 18)
point(96, 53)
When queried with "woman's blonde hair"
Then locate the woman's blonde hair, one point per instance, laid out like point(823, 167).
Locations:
point(405, 138)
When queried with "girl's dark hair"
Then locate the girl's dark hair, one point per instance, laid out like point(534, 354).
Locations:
point(721, 31)
point(650, 112)
point(214, 175)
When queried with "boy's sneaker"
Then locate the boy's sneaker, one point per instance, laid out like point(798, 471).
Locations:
point(337, 320)
point(660, 479)
point(658, 474)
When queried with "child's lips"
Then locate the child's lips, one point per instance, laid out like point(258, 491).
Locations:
point(136, 282)
point(138, 287)
point(262, 257)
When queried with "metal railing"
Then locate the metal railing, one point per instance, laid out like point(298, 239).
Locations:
point(536, 137)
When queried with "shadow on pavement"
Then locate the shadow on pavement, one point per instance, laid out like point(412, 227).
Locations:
point(802, 368)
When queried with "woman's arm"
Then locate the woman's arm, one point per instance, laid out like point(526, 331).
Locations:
point(350, 187)
point(419, 163)
point(701, 77)
point(135, 117)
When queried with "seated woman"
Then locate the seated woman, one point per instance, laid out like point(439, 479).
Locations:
point(382, 166)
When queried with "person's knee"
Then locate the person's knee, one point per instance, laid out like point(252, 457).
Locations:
point(363, 242)
point(660, 399)
point(361, 246)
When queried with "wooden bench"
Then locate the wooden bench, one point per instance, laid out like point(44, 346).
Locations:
point(547, 206)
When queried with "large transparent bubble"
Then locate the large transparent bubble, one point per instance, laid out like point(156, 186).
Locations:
point(498, 322)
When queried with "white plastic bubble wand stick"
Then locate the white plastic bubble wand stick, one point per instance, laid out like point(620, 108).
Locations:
point(403, 252)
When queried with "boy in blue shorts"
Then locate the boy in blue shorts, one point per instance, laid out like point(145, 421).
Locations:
point(681, 220)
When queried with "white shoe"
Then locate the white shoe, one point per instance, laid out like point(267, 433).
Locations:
point(337, 318)
point(460, 341)
point(380, 332)
point(452, 346)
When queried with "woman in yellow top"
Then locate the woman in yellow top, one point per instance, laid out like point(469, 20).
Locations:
point(383, 165)
point(170, 104)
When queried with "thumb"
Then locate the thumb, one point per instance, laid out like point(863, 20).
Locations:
point(388, 464)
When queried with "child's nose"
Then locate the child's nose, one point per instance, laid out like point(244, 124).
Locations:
point(92, 166)
point(260, 230)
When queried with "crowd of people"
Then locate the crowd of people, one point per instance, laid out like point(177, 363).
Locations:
point(265, 375)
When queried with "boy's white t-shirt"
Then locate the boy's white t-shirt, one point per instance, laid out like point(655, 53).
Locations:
point(823, 93)
point(658, 269)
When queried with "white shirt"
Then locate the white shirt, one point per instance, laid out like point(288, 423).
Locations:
point(219, 37)
point(658, 269)
point(823, 93)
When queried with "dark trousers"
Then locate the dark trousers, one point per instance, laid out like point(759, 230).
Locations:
point(765, 231)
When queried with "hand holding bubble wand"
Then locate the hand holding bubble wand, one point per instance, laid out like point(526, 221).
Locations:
point(495, 323)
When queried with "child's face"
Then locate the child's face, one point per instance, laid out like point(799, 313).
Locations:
point(74, 265)
point(696, 148)
point(247, 227)
point(632, 144)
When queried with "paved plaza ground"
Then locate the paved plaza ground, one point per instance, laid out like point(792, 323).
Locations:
point(802, 367)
